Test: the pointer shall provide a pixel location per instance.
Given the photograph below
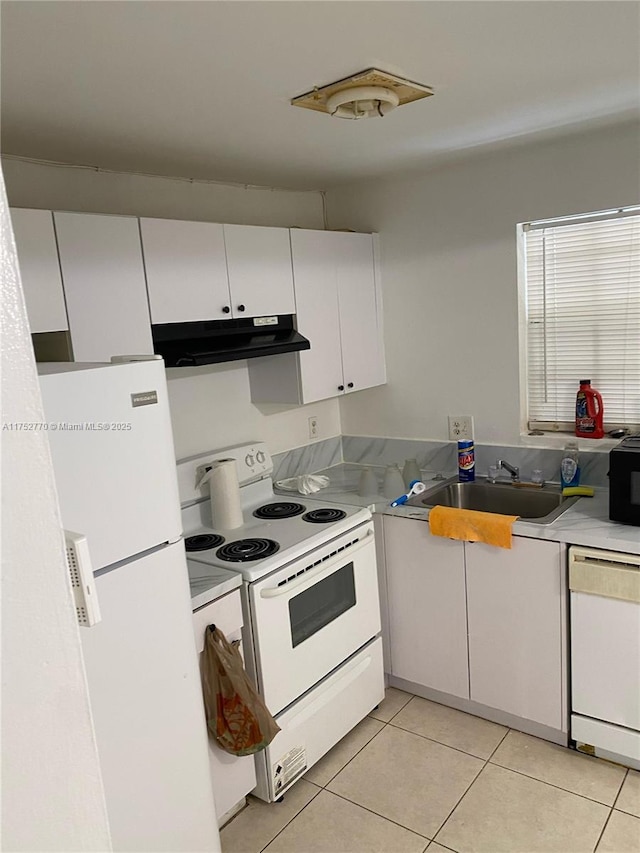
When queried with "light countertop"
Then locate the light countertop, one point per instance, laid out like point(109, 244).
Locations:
point(585, 523)
point(210, 582)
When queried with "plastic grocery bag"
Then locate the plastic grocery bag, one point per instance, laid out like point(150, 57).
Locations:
point(236, 714)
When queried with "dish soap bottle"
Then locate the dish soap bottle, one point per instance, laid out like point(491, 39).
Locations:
point(589, 413)
point(569, 468)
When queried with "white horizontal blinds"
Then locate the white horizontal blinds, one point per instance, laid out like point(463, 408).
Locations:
point(583, 318)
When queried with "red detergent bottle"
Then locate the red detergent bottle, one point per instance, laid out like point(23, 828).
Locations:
point(589, 411)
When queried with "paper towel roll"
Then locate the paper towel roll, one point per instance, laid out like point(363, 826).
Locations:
point(226, 512)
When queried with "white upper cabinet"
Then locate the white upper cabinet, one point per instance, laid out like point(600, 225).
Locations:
point(186, 270)
point(121, 274)
point(260, 275)
point(39, 269)
point(318, 315)
point(338, 309)
point(104, 285)
point(360, 318)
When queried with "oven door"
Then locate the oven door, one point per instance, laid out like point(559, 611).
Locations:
point(313, 613)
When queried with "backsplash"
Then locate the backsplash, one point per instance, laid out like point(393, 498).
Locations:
point(594, 466)
point(436, 456)
point(433, 457)
point(307, 459)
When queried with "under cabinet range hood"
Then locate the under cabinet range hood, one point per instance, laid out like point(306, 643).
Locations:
point(215, 341)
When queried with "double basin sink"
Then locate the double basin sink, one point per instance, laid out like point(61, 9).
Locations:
point(535, 504)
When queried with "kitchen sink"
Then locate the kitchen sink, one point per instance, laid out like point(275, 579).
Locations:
point(539, 505)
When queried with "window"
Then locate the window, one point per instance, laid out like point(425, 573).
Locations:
point(582, 316)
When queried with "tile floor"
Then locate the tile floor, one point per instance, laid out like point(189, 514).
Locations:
point(417, 776)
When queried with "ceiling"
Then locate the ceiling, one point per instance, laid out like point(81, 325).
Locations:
point(202, 89)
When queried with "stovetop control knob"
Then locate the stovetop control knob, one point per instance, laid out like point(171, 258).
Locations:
point(260, 457)
point(249, 460)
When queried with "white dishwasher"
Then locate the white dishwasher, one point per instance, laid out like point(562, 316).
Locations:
point(605, 653)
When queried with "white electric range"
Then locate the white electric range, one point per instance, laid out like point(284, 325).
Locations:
point(311, 609)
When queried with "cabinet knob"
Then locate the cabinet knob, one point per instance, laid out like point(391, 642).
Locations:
point(350, 385)
point(340, 387)
point(240, 307)
point(226, 309)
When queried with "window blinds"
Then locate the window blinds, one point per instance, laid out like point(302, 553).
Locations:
point(583, 317)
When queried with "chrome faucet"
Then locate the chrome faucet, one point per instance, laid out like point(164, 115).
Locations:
point(515, 472)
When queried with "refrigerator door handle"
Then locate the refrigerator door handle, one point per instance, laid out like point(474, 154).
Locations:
point(82, 581)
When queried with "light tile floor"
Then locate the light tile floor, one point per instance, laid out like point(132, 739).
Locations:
point(417, 776)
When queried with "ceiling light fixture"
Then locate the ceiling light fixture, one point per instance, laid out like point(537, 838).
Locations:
point(367, 94)
point(362, 102)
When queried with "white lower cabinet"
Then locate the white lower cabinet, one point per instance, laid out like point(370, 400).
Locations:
point(427, 609)
point(480, 623)
point(232, 776)
point(517, 644)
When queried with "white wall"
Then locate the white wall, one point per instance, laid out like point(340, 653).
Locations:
point(211, 407)
point(448, 253)
point(52, 797)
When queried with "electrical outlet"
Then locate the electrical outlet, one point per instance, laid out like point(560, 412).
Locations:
point(460, 427)
point(314, 430)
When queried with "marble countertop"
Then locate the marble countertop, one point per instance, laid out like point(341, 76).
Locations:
point(585, 523)
point(210, 582)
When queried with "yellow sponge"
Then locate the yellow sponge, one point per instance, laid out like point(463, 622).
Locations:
point(578, 491)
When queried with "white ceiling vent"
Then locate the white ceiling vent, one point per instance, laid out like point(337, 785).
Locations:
point(367, 94)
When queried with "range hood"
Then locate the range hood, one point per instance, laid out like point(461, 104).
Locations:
point(217, 341)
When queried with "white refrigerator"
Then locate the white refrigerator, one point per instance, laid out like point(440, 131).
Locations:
point(112, 447)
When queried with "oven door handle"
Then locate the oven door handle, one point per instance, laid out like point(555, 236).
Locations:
point(323, 568)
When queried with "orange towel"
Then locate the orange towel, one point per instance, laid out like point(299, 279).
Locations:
point(472, 526)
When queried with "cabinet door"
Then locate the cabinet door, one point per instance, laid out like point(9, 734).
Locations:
point(104, 285)
point(360, 314)
point(260, 276)
point(316, 289)
point(232, 776)
point(39, 269)
point(517, 606)
point(186, 270)
point(427, 609)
